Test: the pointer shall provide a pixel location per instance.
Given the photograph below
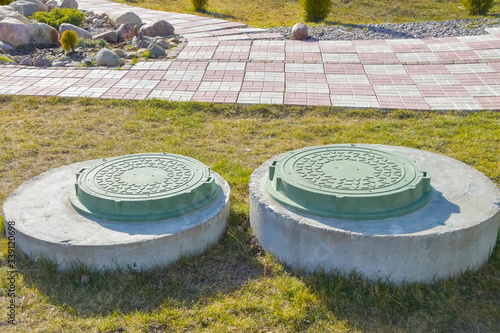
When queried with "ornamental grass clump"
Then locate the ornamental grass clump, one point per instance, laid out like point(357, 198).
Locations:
point(58, 16)
point(316, 10)
point(199, 5)
point(69, 40)
point(477, 7)
point(5, 2)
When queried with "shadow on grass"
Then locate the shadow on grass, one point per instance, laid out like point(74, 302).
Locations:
point(213, 14)
point(468, 303)
point(225, 267)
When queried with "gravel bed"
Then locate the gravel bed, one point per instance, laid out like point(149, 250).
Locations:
point(451, 28)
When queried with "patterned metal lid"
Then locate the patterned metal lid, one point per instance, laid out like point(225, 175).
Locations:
point(348, 182)
point(143, 187)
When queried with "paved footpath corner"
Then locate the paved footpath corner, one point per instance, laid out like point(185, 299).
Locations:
point(228, 62)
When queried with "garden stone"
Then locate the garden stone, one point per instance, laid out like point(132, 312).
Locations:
point(125, 31)
point(13, 14)
point(82, 33)
point(116, 19)
point(299, 31)
point(155, 51)
point(28, 7)
point(97, 22)
point(106, 57)
point(42, 34)
point(51, 5)
point(26, 61)
point(67, 4)
point(174, 40)
point(157, 28)
point(108, 36)
point(7, 9)
point(13, 32)
point(5, 47)
point(119, 52)
point(42, 62)
point(59, 63)
point(141, 41)
point(162, 43)
point(130, 55)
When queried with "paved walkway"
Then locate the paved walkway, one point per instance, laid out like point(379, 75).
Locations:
point(229, 62)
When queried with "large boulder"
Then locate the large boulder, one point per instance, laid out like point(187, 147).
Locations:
point(300, 31)
point(157, 28)
point(82, 33)
point(13, 32)
point(42, 34)
point(67, 4)
point(28, 7)
point(107, 57)
point(118, 18)
point(12, 13)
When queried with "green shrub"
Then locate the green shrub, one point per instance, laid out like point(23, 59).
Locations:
point(69, 40)
point(476, 7)
point(315, 10)
point(58, 16)
point(199, 5)
point(5, 2)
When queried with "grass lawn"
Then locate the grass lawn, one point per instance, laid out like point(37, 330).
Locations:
point(275, 13)
point(233, 287)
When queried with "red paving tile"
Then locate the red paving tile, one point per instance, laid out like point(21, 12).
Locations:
point(25, 80)
point(443, 91)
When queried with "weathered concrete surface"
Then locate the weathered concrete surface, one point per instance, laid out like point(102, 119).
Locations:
point(47, 225)
point(455, 231)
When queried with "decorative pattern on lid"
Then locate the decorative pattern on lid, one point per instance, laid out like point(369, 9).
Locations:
point(143, 187)
point(348, 182)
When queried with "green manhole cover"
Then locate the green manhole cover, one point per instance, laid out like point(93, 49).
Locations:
point(143, 187)
point(348, 182)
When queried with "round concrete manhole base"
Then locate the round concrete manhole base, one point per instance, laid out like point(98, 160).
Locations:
point(454, 231)
point(47, 223)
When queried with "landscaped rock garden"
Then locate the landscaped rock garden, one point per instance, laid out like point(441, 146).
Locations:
point(31, 31)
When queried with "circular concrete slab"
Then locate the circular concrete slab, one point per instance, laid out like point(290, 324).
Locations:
point(455, 231)
point(48, 225)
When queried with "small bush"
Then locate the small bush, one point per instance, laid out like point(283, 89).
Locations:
point(69, 40)
point(199, 5)
point(5, 2)
point(316, 10)
point(477, 7)
point(5, 58)
point(58, 16)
